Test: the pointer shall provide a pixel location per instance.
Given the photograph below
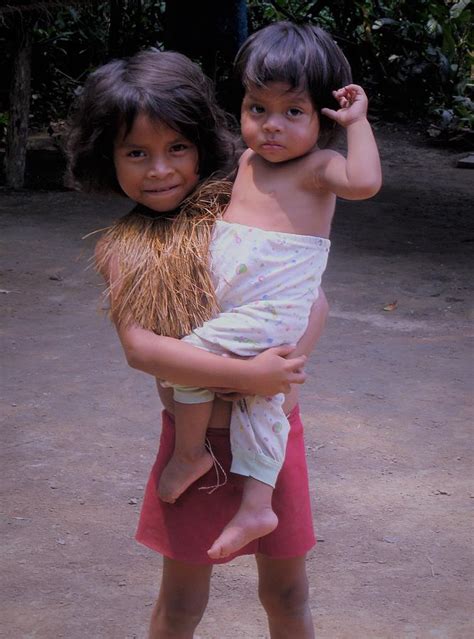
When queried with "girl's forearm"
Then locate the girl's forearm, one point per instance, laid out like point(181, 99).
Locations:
point(363, 169)
point(181, 363)
point(268, 373)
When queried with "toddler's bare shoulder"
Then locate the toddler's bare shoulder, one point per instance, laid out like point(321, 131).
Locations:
point(315, 165)
point(322, 157)
point(246, 156)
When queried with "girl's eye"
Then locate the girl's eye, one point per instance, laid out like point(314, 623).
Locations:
point(294, 112)
point(136, 153)
point(256, 108)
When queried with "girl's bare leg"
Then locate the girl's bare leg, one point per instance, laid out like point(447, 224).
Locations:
point(255, 518)
point(183, 597)
point(284, 593)
point(190, 459)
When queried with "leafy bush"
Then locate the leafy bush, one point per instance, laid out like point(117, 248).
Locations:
point(413, 56)
point(69, 41)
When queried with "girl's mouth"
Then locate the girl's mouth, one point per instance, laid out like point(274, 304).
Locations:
point(160, 191)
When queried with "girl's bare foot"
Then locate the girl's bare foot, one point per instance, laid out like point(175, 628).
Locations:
point(247, 525)
point(180, 472)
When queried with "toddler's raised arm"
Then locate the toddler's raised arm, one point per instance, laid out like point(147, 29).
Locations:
point(358, 176)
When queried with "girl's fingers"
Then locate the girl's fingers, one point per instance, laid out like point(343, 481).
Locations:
point(284, 351)
point(296, 364)
point(230, 397)
point(298, 378)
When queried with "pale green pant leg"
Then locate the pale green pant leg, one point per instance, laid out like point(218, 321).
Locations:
point(191, 395)
point(259, 433)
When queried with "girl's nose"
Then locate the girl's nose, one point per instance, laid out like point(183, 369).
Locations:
point(272, 124)
point(160, 168)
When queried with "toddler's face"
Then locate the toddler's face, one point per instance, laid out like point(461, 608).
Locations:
point(156, 166)
point(278, 122)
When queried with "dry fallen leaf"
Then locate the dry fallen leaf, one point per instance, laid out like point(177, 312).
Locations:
point(391, 307)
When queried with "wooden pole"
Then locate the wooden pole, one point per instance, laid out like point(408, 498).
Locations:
point(17, 129)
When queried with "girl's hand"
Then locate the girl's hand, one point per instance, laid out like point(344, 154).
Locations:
point(271, 372)
point(353, 105)
point(316, 323)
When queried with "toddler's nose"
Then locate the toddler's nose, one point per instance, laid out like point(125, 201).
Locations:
point(272, 124)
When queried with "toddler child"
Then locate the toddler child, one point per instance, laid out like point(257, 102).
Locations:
point(270, 248)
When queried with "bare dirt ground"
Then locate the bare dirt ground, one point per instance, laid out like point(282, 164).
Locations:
point(386, 415)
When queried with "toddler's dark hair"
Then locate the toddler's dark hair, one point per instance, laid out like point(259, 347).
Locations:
point(303, 56)
point(165, 85)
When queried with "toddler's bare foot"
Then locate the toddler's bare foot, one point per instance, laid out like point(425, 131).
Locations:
point(247, 525)
point(180, 472)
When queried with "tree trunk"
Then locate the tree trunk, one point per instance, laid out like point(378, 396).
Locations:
point(115, 29)
point(211, 31)
point(17, 130)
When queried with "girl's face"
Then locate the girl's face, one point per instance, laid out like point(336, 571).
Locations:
point(278, 122)
point(156, 166)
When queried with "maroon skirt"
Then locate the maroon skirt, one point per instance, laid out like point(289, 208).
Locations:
point(186, 529)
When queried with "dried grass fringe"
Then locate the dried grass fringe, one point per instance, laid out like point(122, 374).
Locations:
point(164, 282)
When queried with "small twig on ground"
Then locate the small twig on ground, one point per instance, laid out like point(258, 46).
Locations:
point(431, 566)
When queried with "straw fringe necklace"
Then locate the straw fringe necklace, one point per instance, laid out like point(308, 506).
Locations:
point(163, 282)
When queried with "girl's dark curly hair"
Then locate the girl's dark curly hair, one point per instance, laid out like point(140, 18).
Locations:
point(165, 85)
point(304, 57)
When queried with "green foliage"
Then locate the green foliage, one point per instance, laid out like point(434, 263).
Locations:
point(413, 56)
point(422, 54)
point(3, 124)
point(70, 41)
point(79, 39)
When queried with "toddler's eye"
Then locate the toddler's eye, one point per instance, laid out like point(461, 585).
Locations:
point(176, 148)
point(256, 108)
point(294, 112)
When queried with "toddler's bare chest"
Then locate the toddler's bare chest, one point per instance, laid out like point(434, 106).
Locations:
point(281, 205)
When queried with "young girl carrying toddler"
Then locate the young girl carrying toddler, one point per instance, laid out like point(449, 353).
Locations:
point(148, 127)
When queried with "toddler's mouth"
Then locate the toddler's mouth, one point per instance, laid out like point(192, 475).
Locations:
point(270, 144)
